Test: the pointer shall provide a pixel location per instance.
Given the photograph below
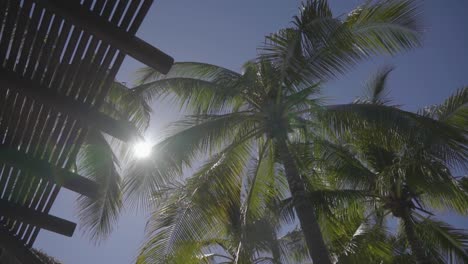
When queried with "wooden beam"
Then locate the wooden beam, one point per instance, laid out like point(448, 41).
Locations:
point(36, 218)
point(122, 130)
point(104, 30)
point(16, 248)
point(47, 171)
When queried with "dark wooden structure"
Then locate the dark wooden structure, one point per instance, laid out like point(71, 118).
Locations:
point(58, 59)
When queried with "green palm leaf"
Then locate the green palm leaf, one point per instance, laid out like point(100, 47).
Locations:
point(376, 90)
point(202, 88)
point(177, 152)
point(271, 101)
point(453, 111)
point(96, 161)
point(451, 243)
point(385, 26)
point(100, 157)
point(320, 46)
point(193, 211)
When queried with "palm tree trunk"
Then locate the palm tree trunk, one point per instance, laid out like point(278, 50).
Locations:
point(415, 244)
point(305, 211)
point(275, 250)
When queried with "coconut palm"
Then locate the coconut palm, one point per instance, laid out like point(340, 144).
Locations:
point(230, 209)
point(225, 210)
point(268, 102)
point(406, 162)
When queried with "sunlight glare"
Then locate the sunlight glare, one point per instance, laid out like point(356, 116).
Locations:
point(142, 149)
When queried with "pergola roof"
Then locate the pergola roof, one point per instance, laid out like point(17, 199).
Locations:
point(57, 61)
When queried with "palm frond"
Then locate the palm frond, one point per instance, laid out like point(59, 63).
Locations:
point(453, 111)
point(333, 205)
point(464, 183)
point(97, 161)
point(198, 96)
point(198, 210)
point(376, 89)
point(320, 47)
point(174, 225)
point(190, 138)
point(303, 97)
point(368, 244)
point(302, 52)
point(262, 184)
point(293, 247)
point(195, 70)
point(342, 166)
point(436, 186)
point(385, 26)
point(122, 103)
point(199, 87)
point(451, 243)
point(446, 142)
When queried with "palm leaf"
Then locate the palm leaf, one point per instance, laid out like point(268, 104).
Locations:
point(320, 46)
point(453, 111)
point(376, 89)
point(97, 161)
point(202, 88)
point(192, 213)
point(175, 153)
point(452, 243)
point(263, 187)
point(293, 247)
point(196, 70)
point(385, 26)
point(122, 103)
point(368, 244)
point(443, 140)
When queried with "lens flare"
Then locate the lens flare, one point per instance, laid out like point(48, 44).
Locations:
point(142, 150)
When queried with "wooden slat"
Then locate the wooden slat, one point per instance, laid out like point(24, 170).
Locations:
point(41, 35)
point(19, 33)
point(46, 134)
point(109, 33)
point(64, 64)
point(39, 219)
point(8, 27)
point(45, 201)
point(119, 129)
point(43, 169)
point(29, 40)
point(97, 87)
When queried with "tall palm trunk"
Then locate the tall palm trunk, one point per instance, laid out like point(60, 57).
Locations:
point(305, 211)
point(415, 244)
point(275, 250)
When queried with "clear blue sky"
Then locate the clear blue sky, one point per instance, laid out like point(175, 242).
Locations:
point(227, 33)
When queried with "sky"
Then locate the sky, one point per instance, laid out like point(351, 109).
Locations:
point(227, 33)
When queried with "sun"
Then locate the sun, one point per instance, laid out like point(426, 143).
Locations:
point(142, 149)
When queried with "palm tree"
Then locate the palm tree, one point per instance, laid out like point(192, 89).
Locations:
point(227, 209)
point(405, 162)
point(269, 101)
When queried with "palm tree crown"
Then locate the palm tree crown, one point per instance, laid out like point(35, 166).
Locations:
point(404, 163)
point(273, 99)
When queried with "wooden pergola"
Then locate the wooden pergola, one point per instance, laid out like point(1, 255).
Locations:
point(58, 59)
